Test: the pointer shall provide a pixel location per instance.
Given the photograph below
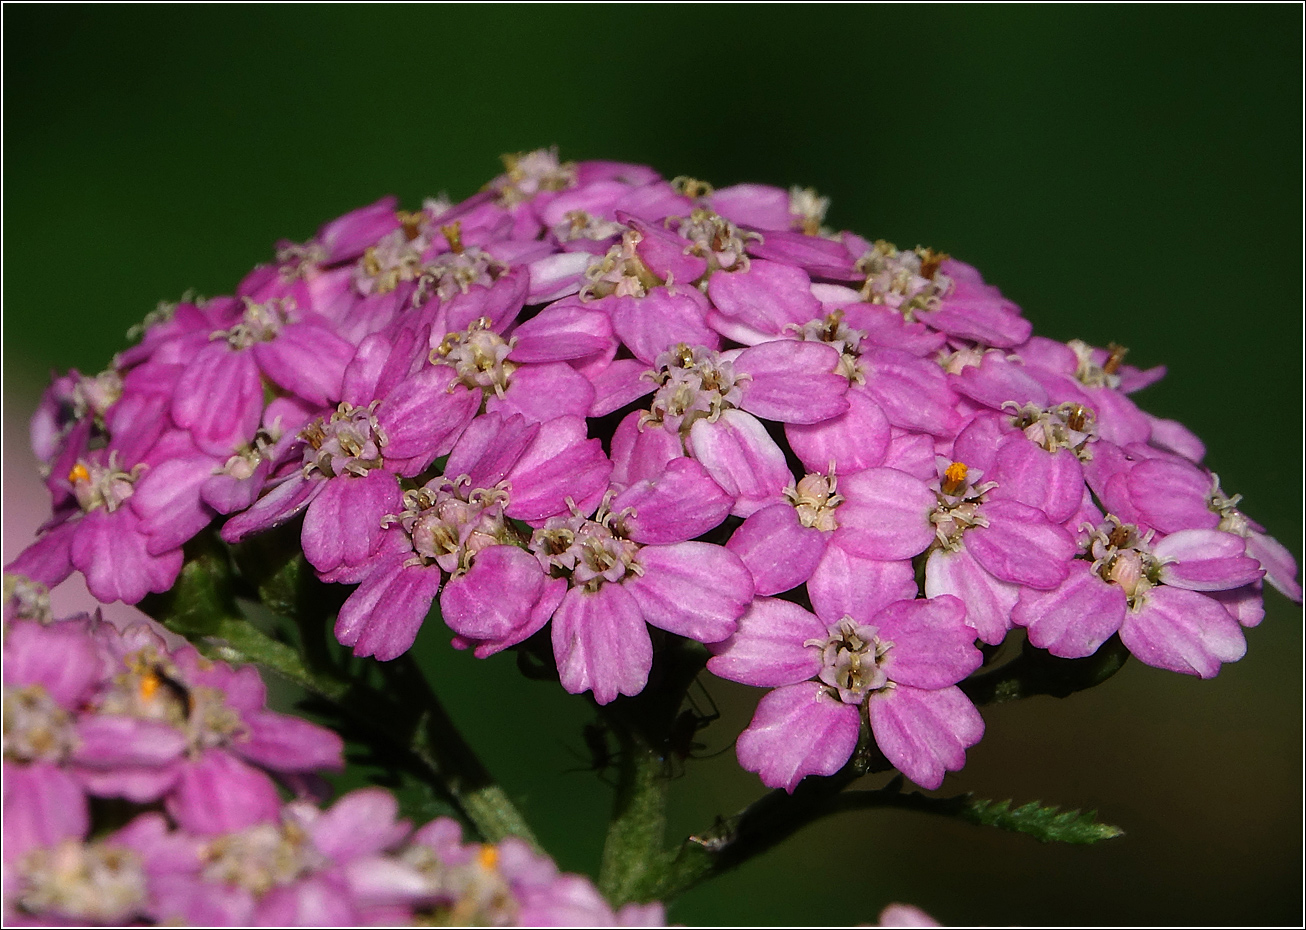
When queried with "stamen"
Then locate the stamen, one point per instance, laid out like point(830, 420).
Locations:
point(1116, 356)
point(411, 222)
point(954, 478)
point(454, 234)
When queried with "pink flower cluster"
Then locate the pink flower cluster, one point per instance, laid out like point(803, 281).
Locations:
point(90, 712)
point(595, 400)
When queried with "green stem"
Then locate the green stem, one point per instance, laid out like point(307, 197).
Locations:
point(633, 851)
point(754, 830)
point(647, 727)
point(432, 737)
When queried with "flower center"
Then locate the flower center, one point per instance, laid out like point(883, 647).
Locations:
point(301, 262)
point(578, 224)
point(807, 210)
point(715, 238)
point(1232, 520)
point(479, 356)
point(35, 727)
point(469, 893)
point(528, 173)
point(850, 660)
point(152, 688)
point(833, 331)
point(349, 443)
point(621, 271)
point(394, 259)
point(92, 882)
point(96, 395)
point(258, 323)
point(1124, 558)
point(449, 526)
point(259, 858)
point(1065, 426)
point(960, 498)
point(1089, 372)
point(589, 552)
point(26, 599)
point(694, 382)
point(815, 500)
point(902, 280)
point(96, 485)
point(458, 271)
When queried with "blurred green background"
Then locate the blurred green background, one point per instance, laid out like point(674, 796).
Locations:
point(1124, 173)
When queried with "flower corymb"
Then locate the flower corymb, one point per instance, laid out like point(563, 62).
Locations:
point(591, 412)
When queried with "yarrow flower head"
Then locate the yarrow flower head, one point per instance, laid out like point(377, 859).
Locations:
point(589, 410)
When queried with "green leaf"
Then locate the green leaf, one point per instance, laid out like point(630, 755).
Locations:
point(1045, 824)
point(201, 598)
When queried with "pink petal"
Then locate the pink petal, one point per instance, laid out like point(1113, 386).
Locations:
point(650, 325)
point(1073, 620)
point(779, 551)
point(424, 415)
point(221, 794)
point(559, 332)
point(642, 453)
point(489, 447)
point(997, 380)
point(681, 503)
point(933, 646)
point(925, 733)
point(769, 648)
point(1020, 545)
point(280, 505)
point(768, 297)
point(110, 550)
point(913, 393)
point(383, 614)
point(983, 321)
point(559, 463)
point(343, 523)
point(758, 205)
point(168, 501)
point(617, 385)
point(1183, 631)
point(886, 515)
point(798, 730)
point(219, 398)
point(42, 805)
point(361, 823)
point(306, 359)
point(495, 599)
point(542, 392)
point(601, 644)
point(1028, 474)
point(988, 601)
point(289, 744)
point(847, 585)
point(742, 458)
point(694, 589)
point(1171, 495)
point(854, 440)
point(793, 382)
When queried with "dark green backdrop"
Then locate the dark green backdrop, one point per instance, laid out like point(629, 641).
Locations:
point(1127, 173)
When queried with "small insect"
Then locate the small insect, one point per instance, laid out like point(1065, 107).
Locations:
point(601, 756)
point(680, 744)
